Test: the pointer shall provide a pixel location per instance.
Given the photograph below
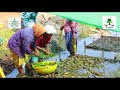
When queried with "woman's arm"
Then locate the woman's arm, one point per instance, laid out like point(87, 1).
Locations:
point(74, 24)
point(47, 48)
point(46, 51)
point(61, 28)
point(36, 53)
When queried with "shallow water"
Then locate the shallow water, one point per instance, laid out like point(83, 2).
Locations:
point(108, 67)
point(82, 51)
point(13, 74)
point(111, 68)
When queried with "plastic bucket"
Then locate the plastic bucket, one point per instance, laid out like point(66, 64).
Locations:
point(35, 59)
point(46, 68)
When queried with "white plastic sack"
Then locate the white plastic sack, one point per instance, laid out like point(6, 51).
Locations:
point(50, 29)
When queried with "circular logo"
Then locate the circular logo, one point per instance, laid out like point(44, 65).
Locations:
point(14, 23)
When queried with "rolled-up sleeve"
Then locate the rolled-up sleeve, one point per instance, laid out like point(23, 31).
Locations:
point(74, 24)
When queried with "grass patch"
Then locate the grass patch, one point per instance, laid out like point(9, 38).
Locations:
point(86, 31)
point(88, 26)
point(5, 34)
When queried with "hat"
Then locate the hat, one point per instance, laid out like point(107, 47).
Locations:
point(50, 29)
point(39, 29)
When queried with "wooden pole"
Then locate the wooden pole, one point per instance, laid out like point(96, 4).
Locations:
point(84, 47)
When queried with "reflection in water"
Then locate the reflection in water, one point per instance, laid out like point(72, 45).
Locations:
point(13, 74)
point(111, 67)
point(83, 51)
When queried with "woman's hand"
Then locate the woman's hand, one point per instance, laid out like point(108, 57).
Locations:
point(47, 52)
point(61, 28)
point(37, 53)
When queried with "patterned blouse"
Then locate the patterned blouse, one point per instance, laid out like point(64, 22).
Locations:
point(28, 18)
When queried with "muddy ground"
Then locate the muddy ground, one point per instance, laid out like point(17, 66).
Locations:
point(107, 43)
point(7, 66)
point(79, 66)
